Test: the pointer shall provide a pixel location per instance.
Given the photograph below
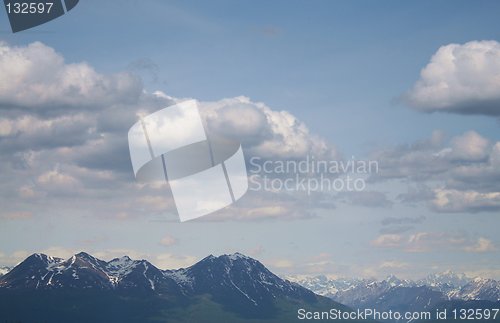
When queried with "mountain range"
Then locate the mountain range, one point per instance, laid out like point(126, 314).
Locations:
point(229, 288)
point(441, 290)
point(83, 288)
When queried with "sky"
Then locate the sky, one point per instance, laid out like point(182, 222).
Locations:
point(412, 85)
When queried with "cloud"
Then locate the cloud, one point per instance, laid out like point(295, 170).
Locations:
point(482, 245)
point(264, 132)
point(256, 251)
point(57, 178)
point(170, 261)
point(457, 175)
point(369, 199)
point(396, 225)
point(460, 78)
point(13, 258)
point(423, 241)
point(450, 200)
point(70, 142)
point(416, 193)
point(36, 77)
point(416, 161)
point(35, 133)
point(469, 147)
point(168, 241)
point(387, 241)
point(280, 264)
point(403, 220)
point(428, 241)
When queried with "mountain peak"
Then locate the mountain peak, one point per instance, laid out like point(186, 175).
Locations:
point(39, 256)
point(236, 256)
point(234, 282)
point(84, 255)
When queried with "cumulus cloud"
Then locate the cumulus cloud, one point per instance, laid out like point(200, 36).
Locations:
point(36, 76)
point(457, 175)
point(416, 161)
point(469, 147)
point(460, 78)
point(64, 129)
point(30, 132)
point(264, 132)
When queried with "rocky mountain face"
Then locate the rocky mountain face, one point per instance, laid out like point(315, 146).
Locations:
point(235, 287)
point(357, 292)
point(427, 294)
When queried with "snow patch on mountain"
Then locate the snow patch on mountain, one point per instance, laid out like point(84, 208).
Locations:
point(4, 270)
point(357, 292)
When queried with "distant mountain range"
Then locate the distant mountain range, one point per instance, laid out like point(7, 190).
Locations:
point(435, 291)
point(228, 288)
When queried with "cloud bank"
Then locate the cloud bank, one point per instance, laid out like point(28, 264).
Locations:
point(460, 78)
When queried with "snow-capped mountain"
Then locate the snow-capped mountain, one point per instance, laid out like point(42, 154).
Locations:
point(235, 274)
point(234, 284)
point(39, 271)
point(445, 282)
point(394, 294)
point(478, 289)
point(4, 270)
point(352, 292)
point(361, 292)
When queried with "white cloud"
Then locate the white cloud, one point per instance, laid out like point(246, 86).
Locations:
point(482, 245)
point(460, 78)
point(35, 76)
point(55, 177)
point(264, 132)
point(430, 241)
point(387, 241)
point(469, 147)
point(450, 200)
point(461, 175)
point(420, 242)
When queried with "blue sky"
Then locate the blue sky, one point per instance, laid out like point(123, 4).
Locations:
point(340, 67)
